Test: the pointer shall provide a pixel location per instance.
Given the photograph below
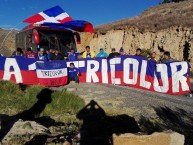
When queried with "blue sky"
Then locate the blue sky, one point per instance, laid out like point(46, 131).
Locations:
point(13, 12)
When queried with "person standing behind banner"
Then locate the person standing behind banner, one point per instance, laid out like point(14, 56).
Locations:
point(102, 53)
point(41, 55)
point(122, 52)
point(152, 57)
point(30, 53)
point(48, 55)
point(72, 55)
point(73, 73)
point(138, 52)
point(57, 56)
point(18, 52)
point(167, 58)
point(113, 53)
point(88, 53)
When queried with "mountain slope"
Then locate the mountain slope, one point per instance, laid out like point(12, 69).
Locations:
point(156, 18)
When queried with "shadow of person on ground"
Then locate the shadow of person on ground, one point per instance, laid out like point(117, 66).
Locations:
point(44, 98)
point(38, 140)
point(97, 127)
point(177, 120)
point(32, 114)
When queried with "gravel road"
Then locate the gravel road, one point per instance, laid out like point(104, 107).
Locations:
point(152, 111)
point(121, 98)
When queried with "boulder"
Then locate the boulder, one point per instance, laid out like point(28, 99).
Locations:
point(163, 138)
point(24, 131)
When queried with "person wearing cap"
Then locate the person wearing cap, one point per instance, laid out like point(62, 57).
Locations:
point(41, 55)
point(88, 53)
point(30, 53)
point(72, 55)
point(122, 52)
point(113, 53)
point(102, 53)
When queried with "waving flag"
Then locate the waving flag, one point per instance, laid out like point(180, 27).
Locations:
point(53, 15)
point(76, 25)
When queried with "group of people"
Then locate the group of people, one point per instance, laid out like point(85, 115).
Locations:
point(152, 56)
point(72, 55)
point(74, 72)
point(54, 54)
point(42, 54)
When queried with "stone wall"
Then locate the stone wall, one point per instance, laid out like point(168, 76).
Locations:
point(177, 40)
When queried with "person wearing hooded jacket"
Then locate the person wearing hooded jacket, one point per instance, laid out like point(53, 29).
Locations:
point(102, 53)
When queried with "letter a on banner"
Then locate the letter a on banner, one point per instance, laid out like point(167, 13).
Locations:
point(12, 63)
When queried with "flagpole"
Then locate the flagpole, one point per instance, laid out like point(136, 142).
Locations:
point(8, 35)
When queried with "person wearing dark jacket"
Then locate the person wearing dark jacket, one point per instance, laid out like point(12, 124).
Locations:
point(167, 58)
point(57, 56)
point(113, 53)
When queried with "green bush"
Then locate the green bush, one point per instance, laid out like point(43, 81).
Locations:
point(146, 52)
point(63, 107)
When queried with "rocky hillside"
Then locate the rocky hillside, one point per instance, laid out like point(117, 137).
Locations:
point(163, 27)
point(7, 46)
point(156, 18)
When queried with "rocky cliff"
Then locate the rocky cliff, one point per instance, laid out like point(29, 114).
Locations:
point(177, 40)
point(167, 27)
point(7, 41)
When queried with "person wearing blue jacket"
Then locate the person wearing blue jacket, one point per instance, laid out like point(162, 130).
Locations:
point(72, 55)
point(102, 53)
point(73, 73)
point(41, 55)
